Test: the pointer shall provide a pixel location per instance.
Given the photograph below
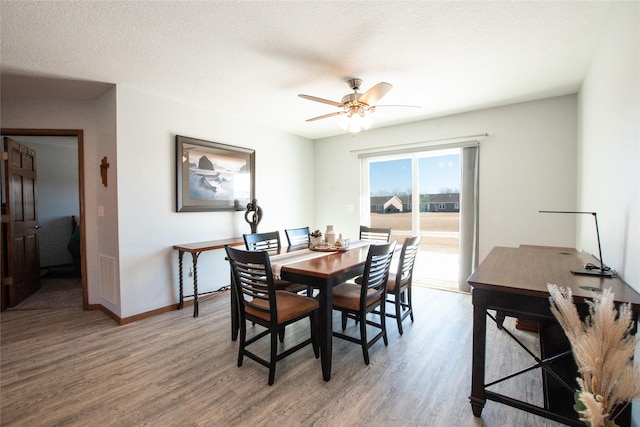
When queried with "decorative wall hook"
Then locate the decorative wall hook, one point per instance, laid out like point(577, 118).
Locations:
point(104, 165)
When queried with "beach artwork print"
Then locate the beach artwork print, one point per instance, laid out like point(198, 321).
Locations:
point(215, 177)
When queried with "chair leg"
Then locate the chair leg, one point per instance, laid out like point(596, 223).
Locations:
point(281, 333)
point(409, 304)
point(398, 315)
point(274, 354)
point(243, 340)
point(344, 320)
point(383, 324)
point(363, 338)
point(313, 320)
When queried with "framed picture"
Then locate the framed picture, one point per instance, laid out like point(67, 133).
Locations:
point(212, 176)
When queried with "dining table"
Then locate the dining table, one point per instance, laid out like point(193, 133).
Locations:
point(321, 270)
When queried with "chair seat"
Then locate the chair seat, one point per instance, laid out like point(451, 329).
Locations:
point(283, 285)
point(290, 306)
point(347, 295)
point(391, 285)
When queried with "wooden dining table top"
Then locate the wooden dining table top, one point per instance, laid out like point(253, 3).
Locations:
point(323, 267)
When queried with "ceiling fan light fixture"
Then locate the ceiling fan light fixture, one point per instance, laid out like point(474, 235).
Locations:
point(344, 121)
point(356, 120)
point(366, 121)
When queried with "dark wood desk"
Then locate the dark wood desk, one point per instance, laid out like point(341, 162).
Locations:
point(513, 281)
point(323, 274)
point(195, 249)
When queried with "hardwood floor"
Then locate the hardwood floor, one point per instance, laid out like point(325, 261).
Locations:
point(77, 368)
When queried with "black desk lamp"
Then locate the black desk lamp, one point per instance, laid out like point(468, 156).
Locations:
point(590, 269)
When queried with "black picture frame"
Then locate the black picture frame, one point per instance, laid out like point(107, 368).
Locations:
point(213, 177)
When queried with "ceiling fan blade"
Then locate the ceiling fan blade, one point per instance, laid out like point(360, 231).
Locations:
point(375, 93)
point(406, 106)
point(337, 113)
point(324, 101)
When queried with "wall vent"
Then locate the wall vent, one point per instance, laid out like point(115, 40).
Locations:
point(108, 278)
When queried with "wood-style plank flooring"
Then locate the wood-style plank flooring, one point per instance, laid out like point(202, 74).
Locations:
point(68, 367)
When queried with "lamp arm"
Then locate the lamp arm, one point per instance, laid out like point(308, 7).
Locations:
point(603, 269)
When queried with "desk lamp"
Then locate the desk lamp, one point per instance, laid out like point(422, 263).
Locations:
point(590, 269)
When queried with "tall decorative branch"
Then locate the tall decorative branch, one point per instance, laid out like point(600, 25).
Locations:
point(603, 347)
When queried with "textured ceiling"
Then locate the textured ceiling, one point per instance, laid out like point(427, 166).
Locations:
point(251, 59)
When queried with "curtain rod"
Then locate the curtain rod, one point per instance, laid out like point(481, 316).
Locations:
point(440, 141)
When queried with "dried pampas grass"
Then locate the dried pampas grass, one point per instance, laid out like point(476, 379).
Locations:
point(603, 347)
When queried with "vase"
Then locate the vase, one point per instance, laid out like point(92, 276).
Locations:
point(316, 240)
point(330, 235)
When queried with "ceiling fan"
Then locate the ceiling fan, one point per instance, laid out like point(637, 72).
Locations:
point(356, 107)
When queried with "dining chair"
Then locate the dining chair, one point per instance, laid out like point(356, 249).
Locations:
point(298, 236)
point(357, 301)
point(270, 241)
point(399, 285)
point(375, 234)
point(262, 241)
point(260, 302)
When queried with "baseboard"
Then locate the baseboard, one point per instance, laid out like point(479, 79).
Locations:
point(146, 314)
point(105, 310)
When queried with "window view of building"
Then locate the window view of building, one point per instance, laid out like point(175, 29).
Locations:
point(431, 181)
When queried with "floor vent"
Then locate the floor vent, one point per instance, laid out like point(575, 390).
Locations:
point(108, 278)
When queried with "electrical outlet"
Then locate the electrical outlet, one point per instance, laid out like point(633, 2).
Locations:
point(190, 272)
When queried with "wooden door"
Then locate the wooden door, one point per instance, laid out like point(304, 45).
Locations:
point(22, 277)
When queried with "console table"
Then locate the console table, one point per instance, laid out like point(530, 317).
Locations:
point(195, 249)
point(513, 282)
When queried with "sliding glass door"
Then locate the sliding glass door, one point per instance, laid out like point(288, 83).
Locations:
point(419, 193)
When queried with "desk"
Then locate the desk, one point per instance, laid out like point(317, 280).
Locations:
point(513, 281)
point(195, 249)
point(323, 274)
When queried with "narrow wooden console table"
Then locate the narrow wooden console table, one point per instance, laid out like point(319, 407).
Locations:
point(513, 282)
point(195, 249)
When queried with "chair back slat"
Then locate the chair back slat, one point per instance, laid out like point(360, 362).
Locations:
point(262, 241)
point(376, 271)
point(253, 280)
point(375, 234)
point(410, 249)
point(298, 236)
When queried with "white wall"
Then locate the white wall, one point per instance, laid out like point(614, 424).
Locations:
point(527, 163)
point(140, 226)
point(149, 226)
point(609, 145)
point(104, 206)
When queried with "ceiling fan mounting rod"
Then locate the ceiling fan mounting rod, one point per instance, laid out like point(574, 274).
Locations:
point(355, 84)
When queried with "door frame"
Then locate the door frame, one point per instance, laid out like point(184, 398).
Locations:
point(79, 134)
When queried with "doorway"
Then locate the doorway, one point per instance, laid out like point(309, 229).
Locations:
point(58, 210)
point(419, 193)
